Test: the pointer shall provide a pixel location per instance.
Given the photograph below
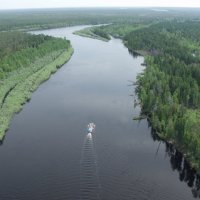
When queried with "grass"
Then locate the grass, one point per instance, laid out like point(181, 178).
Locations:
point(88, 32)
point(22, 83)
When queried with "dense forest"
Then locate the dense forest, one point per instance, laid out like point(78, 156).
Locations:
point(169, 88)
point(51, 18)
point(60, 17)
point(25, 61)
point(19, 50)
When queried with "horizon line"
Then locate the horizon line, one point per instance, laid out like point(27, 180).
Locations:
point(101, 7)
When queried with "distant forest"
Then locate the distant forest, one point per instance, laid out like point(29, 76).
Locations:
point(51, 18)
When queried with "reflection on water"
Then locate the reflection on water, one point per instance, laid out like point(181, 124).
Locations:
point(133, 53)
point(181, 165)
point(2, 141)
point(186, 173)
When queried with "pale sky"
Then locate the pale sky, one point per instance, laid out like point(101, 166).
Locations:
point(16, 4)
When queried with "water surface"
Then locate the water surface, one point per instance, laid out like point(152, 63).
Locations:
point(47, 154)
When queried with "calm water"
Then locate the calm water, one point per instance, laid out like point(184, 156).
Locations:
point(47, 154)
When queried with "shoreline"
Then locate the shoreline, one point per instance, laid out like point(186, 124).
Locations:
point(21, 93)
point(179, 147)
point(86, 32)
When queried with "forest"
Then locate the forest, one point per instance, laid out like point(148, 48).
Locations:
point(32, 19)
point(169, 87)
point(25, 62)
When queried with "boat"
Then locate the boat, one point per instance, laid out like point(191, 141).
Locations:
point(90, 127)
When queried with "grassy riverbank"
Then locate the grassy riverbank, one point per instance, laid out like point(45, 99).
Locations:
point(27, 83)
point(18, 84)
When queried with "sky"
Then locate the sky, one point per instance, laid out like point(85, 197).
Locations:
point(17, 4)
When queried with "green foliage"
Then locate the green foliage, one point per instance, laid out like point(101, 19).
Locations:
point(169, 88)
point(161, 38)
point(21, 49)
point(101, 33)
point(117, 30)
point(52, 18)
point(93, 32)
point(13, 41)
point(120, 30)
point(23, 70)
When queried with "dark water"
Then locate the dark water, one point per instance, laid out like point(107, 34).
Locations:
point(47, 155)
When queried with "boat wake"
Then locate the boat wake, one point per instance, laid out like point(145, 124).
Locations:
point(89, 180)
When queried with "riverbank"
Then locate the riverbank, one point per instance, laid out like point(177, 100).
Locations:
point(173, 122)
point(168, 88)
point(89, 32)
point(26, 81)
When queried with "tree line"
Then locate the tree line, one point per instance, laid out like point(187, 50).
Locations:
point(25, 62)
point(169, 88)
point(19, 50)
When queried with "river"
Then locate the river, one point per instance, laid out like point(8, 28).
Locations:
point(48, 155)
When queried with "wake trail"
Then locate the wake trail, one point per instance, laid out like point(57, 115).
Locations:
point(89, 180)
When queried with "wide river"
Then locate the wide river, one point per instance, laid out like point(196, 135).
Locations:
point(48, 155)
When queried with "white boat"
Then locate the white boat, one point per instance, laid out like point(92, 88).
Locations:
point(90, 127)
